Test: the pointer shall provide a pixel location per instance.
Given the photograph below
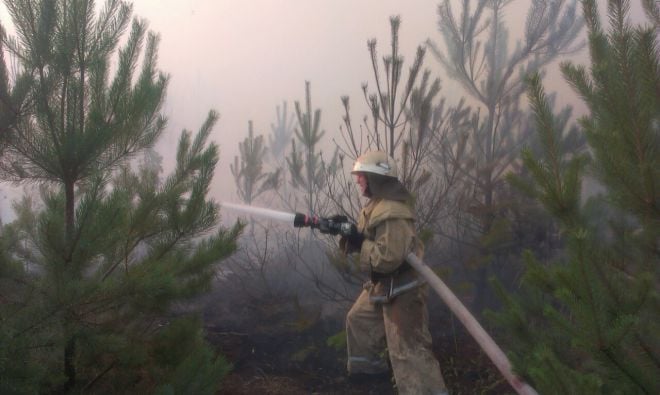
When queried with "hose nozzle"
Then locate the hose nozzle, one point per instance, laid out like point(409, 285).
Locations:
point(333, 226)
point(303, 221)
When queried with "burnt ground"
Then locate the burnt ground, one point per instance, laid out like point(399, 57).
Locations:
point(284, 349)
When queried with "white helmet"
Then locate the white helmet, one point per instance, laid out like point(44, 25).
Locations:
point(376, 162)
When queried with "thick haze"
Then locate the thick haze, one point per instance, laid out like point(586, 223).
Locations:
point(245, 57)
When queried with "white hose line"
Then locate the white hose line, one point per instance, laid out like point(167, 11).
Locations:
point(484, 340)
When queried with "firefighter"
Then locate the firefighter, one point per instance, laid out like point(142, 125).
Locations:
point(391, 310)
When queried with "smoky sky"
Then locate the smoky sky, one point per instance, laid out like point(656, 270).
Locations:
point(245, 57)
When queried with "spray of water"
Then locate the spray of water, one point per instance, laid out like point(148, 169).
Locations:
point(263, 212)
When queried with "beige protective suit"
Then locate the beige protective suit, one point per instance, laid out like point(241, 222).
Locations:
point(391, 310)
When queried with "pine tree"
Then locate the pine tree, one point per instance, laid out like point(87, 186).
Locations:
point(307, 167)
point(7, 107)
point(280, 136)
point(89, 286)
point(248, 170)
point(588, 322)
point(12, 98)
point(387, 107)
point(278, 142)
point(409, 123)
point(479, 57)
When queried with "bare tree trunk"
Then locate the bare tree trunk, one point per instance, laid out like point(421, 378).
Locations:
point(69, 364)
point(69, 215)
point(70, 347)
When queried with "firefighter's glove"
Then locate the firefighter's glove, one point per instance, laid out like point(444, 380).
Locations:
point(351, 239)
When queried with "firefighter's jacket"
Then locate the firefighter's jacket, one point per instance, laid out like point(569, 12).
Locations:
point(389, 231)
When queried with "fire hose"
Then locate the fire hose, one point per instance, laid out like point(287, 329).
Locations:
point(475, 329)
point(339, 225)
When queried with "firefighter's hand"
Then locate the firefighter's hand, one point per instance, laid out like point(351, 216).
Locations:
point(348, 230)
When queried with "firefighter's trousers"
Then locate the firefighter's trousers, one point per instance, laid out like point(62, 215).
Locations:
point(402, 326)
